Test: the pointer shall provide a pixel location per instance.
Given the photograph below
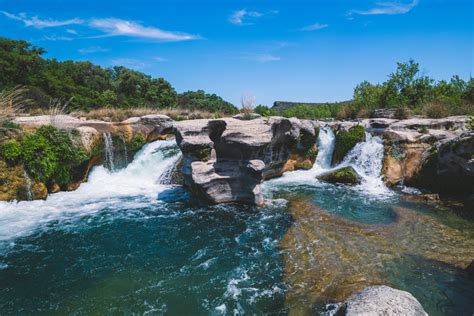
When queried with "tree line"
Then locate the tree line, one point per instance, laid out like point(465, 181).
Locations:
point(406, 91)
point(91, 86)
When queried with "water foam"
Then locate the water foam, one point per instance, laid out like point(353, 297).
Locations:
point(140, 179)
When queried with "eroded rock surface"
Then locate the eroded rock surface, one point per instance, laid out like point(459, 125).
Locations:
point(225, 160)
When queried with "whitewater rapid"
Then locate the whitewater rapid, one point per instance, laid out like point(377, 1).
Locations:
point(134, 186)
point(366, 158)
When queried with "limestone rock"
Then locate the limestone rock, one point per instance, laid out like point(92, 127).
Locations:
point(247, 116)
point(383, 300)
point(346, 175)
point(233, 144)
point(422, 198)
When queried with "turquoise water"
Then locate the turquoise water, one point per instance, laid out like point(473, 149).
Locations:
point(126, 244)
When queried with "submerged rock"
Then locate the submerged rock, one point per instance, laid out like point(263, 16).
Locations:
point(236, 155)
point(346, 175)
point(422, 198)
point(381, 300)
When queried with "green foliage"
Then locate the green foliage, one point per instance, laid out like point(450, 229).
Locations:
point(199, 100)
point(10, 151)
point(10, 124)
point(346, 140)
point(92, 86)
point(470, 122)
point(137, 141)
point(345, 175)
point(308, 111)
point(264, 110)
point(203, 154)
point(406, 88)
point(47, 155)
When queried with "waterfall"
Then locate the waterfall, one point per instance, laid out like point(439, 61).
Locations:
point(29, 193)
point(367, 159)
point(109, 151)
point(132, 187)
point(125, 151)
point(326, 142)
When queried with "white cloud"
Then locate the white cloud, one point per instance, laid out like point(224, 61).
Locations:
point(160, 59)
point(39, 23)
point(118, 27)
point(239, 16)
point(388, 8)
point(92, 49)
point(315, 27)
point(71, 31)
point(261, 58)
point(55, 38)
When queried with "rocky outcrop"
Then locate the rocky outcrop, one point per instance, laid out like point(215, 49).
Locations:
point(449, 167)
point(86, 135)
point(409, 144)
point(346, 140)
point(379, 300)
point(225, 160)
point(345, 175)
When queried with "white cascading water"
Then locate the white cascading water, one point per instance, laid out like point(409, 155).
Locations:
point(109, 151)
point(134, 186)
point(326, 142)
point(366, 158)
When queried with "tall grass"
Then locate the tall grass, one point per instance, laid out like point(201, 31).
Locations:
point(12, 102)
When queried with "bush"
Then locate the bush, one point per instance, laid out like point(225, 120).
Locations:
point(435, 110)
point(137, 141)
point(402, 113)
point(47, 155)
point(10, 151)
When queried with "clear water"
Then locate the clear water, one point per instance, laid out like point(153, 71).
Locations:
point(125, 243)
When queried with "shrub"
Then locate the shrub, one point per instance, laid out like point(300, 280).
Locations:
point(402, 113)
point(137, 141)
point(10, 124)
point(435, 110)
point(10, 151)
point(470, 122)
point(345, 112)
point(47, 155)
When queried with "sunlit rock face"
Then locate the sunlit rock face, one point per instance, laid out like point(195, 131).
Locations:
point(381, 300)
point(236, 155)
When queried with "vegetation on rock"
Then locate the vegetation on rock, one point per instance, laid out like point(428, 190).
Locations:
point(346, 175)
point(47, 155)
point(346, 140)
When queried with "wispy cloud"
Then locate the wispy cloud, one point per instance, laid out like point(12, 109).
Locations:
point(242, 17)
point(315, 27)
point(239, 16)
point(160, 59)
point(261, 58)
point(119, 27)
point(71, 31)
point(92, 49)
point(55, 38)
point(388, 8)
point(40, 23)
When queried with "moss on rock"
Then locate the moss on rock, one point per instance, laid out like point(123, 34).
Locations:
point(346, 140)
point(346, 175)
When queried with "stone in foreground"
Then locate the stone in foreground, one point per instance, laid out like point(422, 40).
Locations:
point(345, 175)
point(379, 300)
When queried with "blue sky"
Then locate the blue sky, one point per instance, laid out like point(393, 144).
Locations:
point(277, 50)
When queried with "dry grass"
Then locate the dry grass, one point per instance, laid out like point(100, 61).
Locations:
point(118, 115)
point(56, 109)
point(12, 102)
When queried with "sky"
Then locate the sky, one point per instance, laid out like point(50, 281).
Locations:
point(304, 51)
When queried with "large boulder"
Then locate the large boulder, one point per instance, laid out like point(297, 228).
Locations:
point(345, 175)
point(238, 154)
point(449, 168)
point(379, 300)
